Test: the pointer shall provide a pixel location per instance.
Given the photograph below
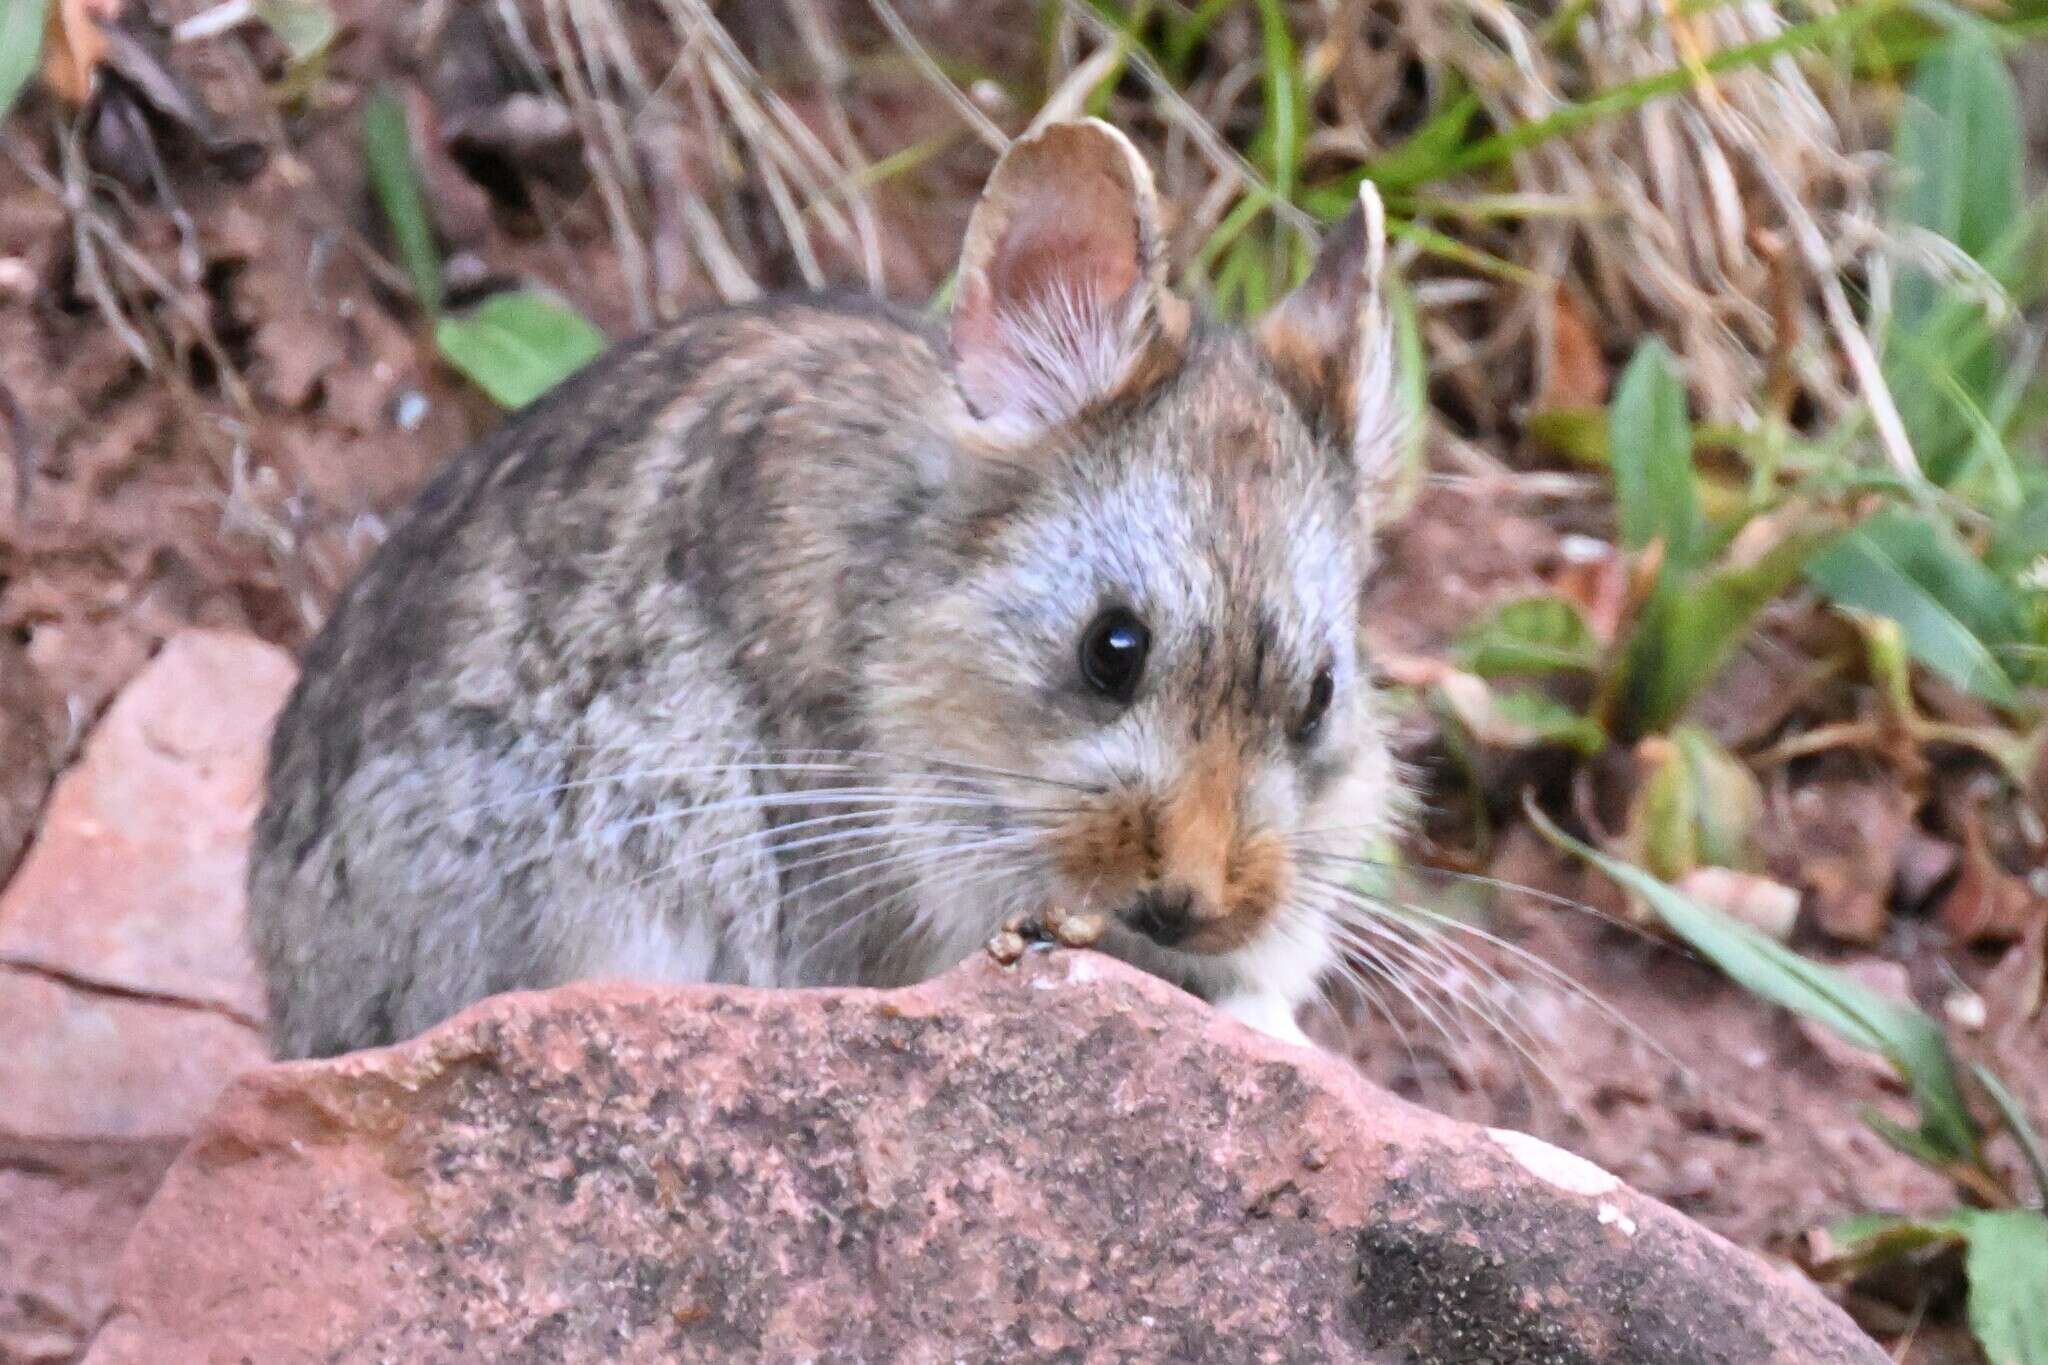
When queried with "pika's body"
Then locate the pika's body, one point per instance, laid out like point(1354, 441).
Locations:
point(802, 644)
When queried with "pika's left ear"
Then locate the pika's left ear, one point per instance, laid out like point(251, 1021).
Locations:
point(1332, 341)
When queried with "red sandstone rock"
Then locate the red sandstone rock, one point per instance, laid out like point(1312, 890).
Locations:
point(65, 1209)
point(83, 1064)
point(135, 877)
point(1059, 1160)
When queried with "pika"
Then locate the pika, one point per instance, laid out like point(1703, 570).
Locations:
point(804, 643)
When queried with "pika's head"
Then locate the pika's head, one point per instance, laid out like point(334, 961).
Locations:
point(1138, 665)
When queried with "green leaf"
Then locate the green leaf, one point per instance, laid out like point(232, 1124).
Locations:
point(1285, 131)
point(1634, 94)
point(1514, 720)
point(1905, 1036)
point(1423, 155)
point(1650, 442)
point(387, 153)
point(2014, 1116)
point(21, 46)
point(1953, 610)
point(1687, 635)
point(1959, 148)
point(518, 346)
point(305, 27)
point(1579, 434)
point(1529, 635)
point(2007, 1266)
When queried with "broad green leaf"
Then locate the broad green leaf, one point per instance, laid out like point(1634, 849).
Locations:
point(1959, 147)
point(1515, 720)
point(1954, 611)
point(2005, 1260)
point(1696, 805)
point(1548, 721)
point(1905, 1036)
point(387, 153)
point(1529, 635)
point(21, 45)
point(1728, 805)
point(305, 27)
point(518, 346)
point(1650, 442)
point(2021, 537)
point(2007, 1266)
point(1958, 157)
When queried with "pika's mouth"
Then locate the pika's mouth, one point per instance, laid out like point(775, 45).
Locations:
point(1165, 917)
point(1173, 918)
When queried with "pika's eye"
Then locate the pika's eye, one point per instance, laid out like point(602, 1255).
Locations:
point(1113, 654)
point(1319, 694)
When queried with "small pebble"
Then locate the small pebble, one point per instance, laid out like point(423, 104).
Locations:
point(410, 410)
point(1077, 931)
point(1006, 947)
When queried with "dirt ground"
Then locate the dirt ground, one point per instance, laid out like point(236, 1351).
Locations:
point(216, 400)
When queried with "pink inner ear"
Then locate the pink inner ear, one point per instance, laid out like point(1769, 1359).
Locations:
point(1054, 246)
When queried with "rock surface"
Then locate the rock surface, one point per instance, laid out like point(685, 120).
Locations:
point(127, 999)
point(65, 1208)
point(134, 880)
point(1062, 1160)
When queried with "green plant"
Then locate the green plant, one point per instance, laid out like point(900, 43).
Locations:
point(2005, 1241)
point(514, 346)
point(21, 44)
point(1699, 583)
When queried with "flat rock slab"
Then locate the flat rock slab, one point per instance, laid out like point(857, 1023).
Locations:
point(1062, 1160)
point(65, 1208)
point(135, 878)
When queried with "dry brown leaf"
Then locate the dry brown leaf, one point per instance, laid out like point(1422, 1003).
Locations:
point(74, 45)
point(1577, 376)
point(1988, 904)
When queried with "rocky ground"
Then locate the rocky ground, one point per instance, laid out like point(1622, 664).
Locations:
point(214, 404)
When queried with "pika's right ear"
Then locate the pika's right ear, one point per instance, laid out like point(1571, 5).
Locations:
point(1061, 300)
point(1331, 342)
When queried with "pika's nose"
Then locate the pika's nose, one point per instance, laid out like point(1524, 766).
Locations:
point(1166, 915)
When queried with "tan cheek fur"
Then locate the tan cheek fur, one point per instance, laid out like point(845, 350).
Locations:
point(1194, 837)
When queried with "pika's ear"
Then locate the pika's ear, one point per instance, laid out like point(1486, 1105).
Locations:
point(1332, 341)
point(1061, 300)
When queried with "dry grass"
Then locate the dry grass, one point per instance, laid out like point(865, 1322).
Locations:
point(1724, 217)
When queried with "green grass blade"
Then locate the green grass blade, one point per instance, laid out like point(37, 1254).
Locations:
point(518, 346)
point(21, 47)
point(1634, 94)
point(1285, 132)
point(2016, 1123)
point(387, 153)
point(1905, 1036)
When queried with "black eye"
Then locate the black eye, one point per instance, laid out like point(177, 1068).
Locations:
point(1319, 694)
point(1113, 654)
